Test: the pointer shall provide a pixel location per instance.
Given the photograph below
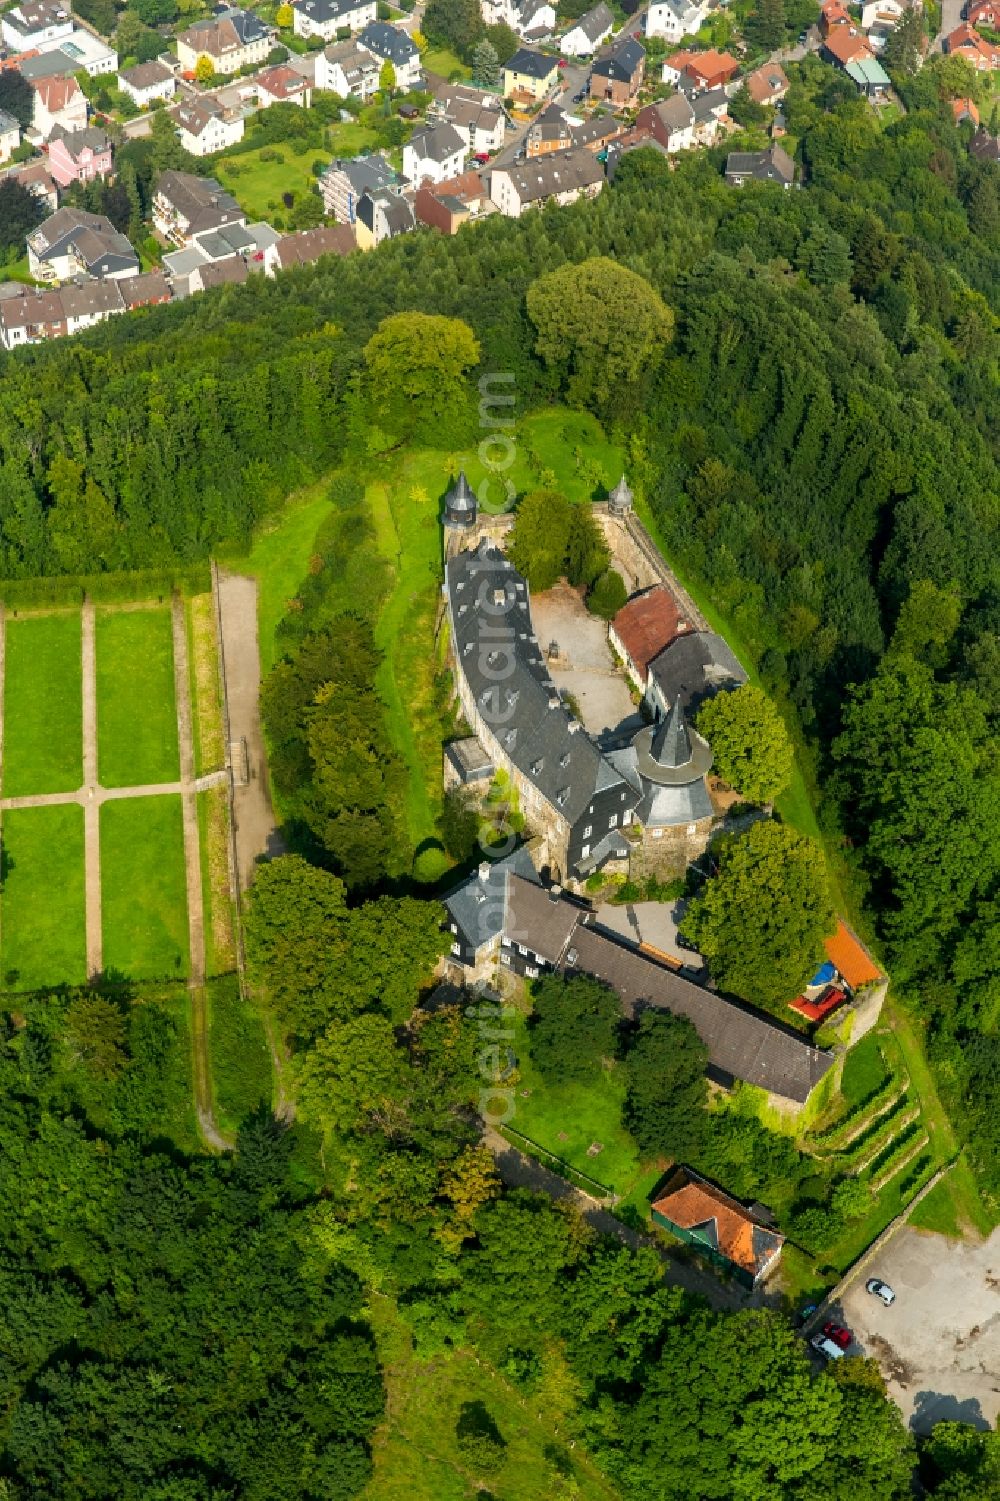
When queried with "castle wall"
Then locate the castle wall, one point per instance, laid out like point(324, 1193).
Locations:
point(666, 853)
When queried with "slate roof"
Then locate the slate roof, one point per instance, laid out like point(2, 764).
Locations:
point(76, 140)
point(323, 11)
point(596, 23)
point(533, 64)
point(397, 212)
point(7, 123)
point(773, 165)
point(597, 129)
point(364, 173)
point(693, 1204)
point(388, 42)
point(525, 712)
point(622, 63)
point(478, 907)
point(145, 75)
point(560, 172)
point(438, 143)
point(309, 244)
point(201, 201)
point(224, 33)
point(92, 236)
point(694, 667)
point(742, 1043)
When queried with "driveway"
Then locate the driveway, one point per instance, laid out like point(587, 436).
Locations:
point(939, 1343)
point(585, 667)
point(951, 16)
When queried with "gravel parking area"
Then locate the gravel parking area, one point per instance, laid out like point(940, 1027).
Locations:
point(586, 668)
point(939, 1343)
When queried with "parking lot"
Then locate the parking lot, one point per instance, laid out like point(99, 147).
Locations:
point(939, 1343)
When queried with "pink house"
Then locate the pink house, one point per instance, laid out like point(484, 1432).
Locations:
point(79, 155)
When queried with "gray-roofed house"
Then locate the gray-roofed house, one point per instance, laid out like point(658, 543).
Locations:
point(72, 243)
point(479, 115)
point(391, 45)
point(345, 180)
point(147, 81)
point(382, 215)
point(694, 667)
point(772, 165)
point(743, 1044)
point(85, 303)
point(184, 206)
point(530, 74)
point(618, 77)
point(308, 246)
point(587, 34)
point(563, 176)
point(347, 68)
point(435, 155)
point(477, 912)
point(10, 135)
point(324, 18)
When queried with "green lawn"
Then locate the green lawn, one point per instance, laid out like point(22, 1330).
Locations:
point(43, 937)
point(136, 706)
point(566, 1119)
point(279, 559)
point(415, 1452)
point(258, 185)
point(144, 892)
point(444, 62)
point(43, 707)
point(240, 1060)
point(865, 1070)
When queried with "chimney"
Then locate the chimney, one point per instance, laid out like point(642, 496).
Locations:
point(554, 700)
point(573, 726)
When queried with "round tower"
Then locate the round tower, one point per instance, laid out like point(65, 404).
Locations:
point(620, 499)
point(460, 504)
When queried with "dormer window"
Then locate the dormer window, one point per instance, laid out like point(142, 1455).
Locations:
point(510, 739)
point(564, 759)
point(467, 648)
point(536, 766)
point(562, 796)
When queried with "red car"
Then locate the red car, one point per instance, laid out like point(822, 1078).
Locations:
point(563, 63)
point(840, 1336)
point(482, 156)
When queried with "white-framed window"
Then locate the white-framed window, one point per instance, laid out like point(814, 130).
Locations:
point(521, 949)
point(585, 852)
point(657, 833)
point(456, 949)
point(692, 828)
point(588, 831)
point(613, 821)
point(531, 970)
point(454, 927)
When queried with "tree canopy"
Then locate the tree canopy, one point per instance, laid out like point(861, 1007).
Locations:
point(574, 1027)
point(750, 745)
point(554, 538)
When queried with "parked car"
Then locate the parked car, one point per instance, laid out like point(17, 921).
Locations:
point(840, 1336)
point(826, 1347)
point(580, 97)
point(880, 1289)
point(482, 156)
point(563, 63)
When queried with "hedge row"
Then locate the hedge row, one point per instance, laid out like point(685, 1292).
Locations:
point(869, 1149)
point(901, 1158)
point(104, 588)
point(894, 1151)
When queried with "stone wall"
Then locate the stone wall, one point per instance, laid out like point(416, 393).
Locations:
point(669, 855)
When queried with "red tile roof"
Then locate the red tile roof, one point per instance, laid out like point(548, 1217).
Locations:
point(647, 624)
point(814, 1011)
point(846, 45)
point(691, 1203)
point(851, 958)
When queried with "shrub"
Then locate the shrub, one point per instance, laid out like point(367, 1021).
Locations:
point(608, 595)
point(479, 1439)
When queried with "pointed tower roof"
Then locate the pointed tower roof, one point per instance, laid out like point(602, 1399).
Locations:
point(672, 743)
point(621, 496)
point(460, 497)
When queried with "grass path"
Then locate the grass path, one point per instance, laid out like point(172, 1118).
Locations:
point(279, 560)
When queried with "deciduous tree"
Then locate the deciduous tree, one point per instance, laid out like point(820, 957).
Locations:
point(750, 745)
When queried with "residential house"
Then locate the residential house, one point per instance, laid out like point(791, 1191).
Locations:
point(710, 115)
point(36, 177)
point(449, 205)
point(345, 180)
point(984, 146)
point(870, 76)
point(529, 75)
point(324, 18)
point(57, 101)
point(282, 85)
point(704, 70)
point(307, 247)
point(966, 42)
point(674, 19)
point(597, 133)
point(772, 165)
point(586, 35)
point(147, 82)
point(232, 271)
point(79, 155)
point(833, 13)
point(532, 20)
point(247, 243)
point(645, 627)
point(85, 303)
point(382, 215)
point(984, 13)
point(29, 316)
point(347, 68)
point(692, 668)
point(231, 40)
point(845, 44)
point(670, 122)
point(434, 155)
point(185, 206)
point(965, 110)
point(391, 45)
point(10, 136)
point(145, 290)
point(725, 1232)
point(550, 132)
point(480, 115)
point(618, 77)
point(34, 22)
point(476, 912)
point(78, 52)
point(72, 242)
point(879, 18)
point(767, 84)
point(206, 126)
point(563, 177)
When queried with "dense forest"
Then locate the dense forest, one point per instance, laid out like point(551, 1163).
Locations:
point(817, 445)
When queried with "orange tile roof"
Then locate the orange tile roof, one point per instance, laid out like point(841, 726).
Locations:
point(647, 624)
point(691, 1203)
point(961, 108)
point(851, 957)
point(847, 45)
point(711, 64)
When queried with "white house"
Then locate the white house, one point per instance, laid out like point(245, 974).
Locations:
point(10, 135)
point(479, 116)
point(58, 101)
point(146, 82)
point(347, 68)
point(672, 19)
point(83, 53)
point(534, 18)
point(435, 155)
point(282, 85)
point(205, 127)
point(28, 25)
point(587, 34)
point(232, 40)
point(390, 45)
point(324, 18)
point(73, 243)
point(88, 302)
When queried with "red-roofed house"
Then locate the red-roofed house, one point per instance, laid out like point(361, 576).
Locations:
point(282, 85)
point(966, 42)
point(846, 45)
point(643, 628)
point(58, 101)
point(767, 84)
point(720, 1227)
point(707, 70)
point(964, 109)
point(984, 13)
point(834, 14)
point(448, 205)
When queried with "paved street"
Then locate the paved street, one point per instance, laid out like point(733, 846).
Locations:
point(939, 1343)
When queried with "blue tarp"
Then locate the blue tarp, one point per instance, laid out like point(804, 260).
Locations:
point(824, 974)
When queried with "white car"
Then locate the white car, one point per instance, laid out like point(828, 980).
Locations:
point(826, 1347)
point(880, 1289)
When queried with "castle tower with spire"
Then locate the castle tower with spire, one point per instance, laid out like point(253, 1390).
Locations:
point(666, 764)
